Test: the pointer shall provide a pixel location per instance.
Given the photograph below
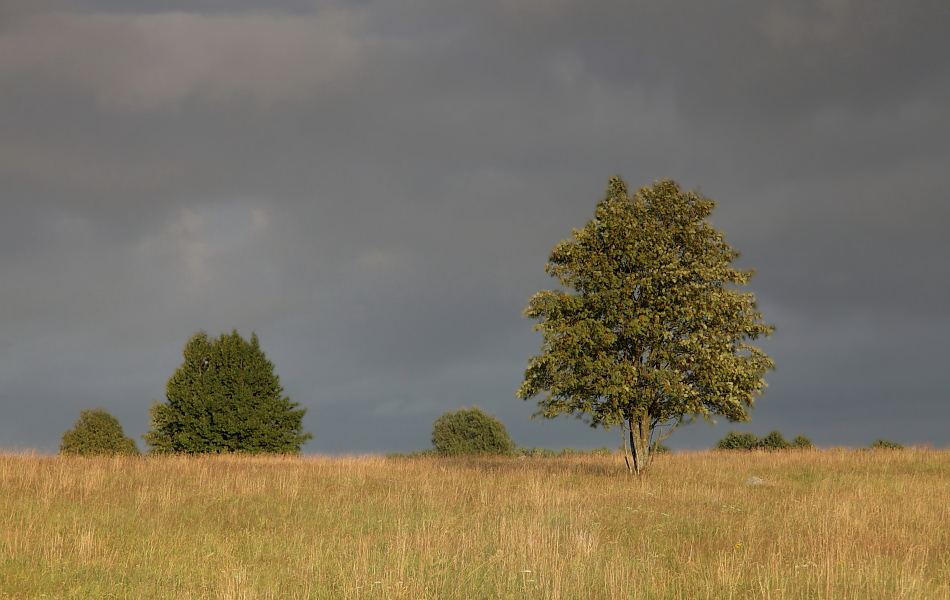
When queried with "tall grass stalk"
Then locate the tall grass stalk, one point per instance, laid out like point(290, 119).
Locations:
point(827, 524)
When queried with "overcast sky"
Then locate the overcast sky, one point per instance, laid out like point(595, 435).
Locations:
point(374, 189)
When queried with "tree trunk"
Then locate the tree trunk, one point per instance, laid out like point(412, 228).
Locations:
point(640, 442)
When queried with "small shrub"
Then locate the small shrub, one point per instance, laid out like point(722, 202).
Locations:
point(802, 443)
point(535, 452)
point(413, 454)
point(886, 445)
point(659, 449)
point(738, 441)
point(605, 451)
point(773, 441)
point(97, 432)
point(470, 432)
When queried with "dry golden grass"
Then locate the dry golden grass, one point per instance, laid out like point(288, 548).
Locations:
point(830, 524)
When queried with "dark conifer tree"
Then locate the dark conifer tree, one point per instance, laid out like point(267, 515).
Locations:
point(225, 397)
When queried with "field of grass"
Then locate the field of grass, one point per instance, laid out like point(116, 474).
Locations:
point(827, 524)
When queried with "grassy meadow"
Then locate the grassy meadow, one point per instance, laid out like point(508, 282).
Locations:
point(827, 524)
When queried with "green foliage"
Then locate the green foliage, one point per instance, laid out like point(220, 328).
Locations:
point(225, 397)
point(657, 448)
point(97, 432)
point(413, 454)
point(886, 445)
point(738, 441)
point(653, 331)
point(773, 441)
point(802, 443)
point(470, 431)
point(535, 452)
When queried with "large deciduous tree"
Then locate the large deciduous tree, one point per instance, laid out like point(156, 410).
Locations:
point(653, 332)
point(225, 397)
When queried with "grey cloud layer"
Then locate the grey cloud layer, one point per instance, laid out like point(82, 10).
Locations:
point(157, 61)
point(374, 188)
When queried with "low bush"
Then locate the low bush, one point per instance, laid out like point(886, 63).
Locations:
point(97, 432)
point(886, 445)
point(802, 443)
point(413, 454)
point(470, 431)
point(738, 441)
point(535, 452)
point(773, 441)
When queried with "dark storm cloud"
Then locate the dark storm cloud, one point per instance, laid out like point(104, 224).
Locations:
point(374, 188)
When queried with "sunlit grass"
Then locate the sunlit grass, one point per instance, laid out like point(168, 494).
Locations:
point(828, 524)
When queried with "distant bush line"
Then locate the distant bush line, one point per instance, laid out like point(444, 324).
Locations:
point(774, 441)
point(532, 452)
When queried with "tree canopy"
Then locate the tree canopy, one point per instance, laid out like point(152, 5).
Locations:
point(651, 331)
point(97, 432)
point(225, 397)
point(470, 431)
